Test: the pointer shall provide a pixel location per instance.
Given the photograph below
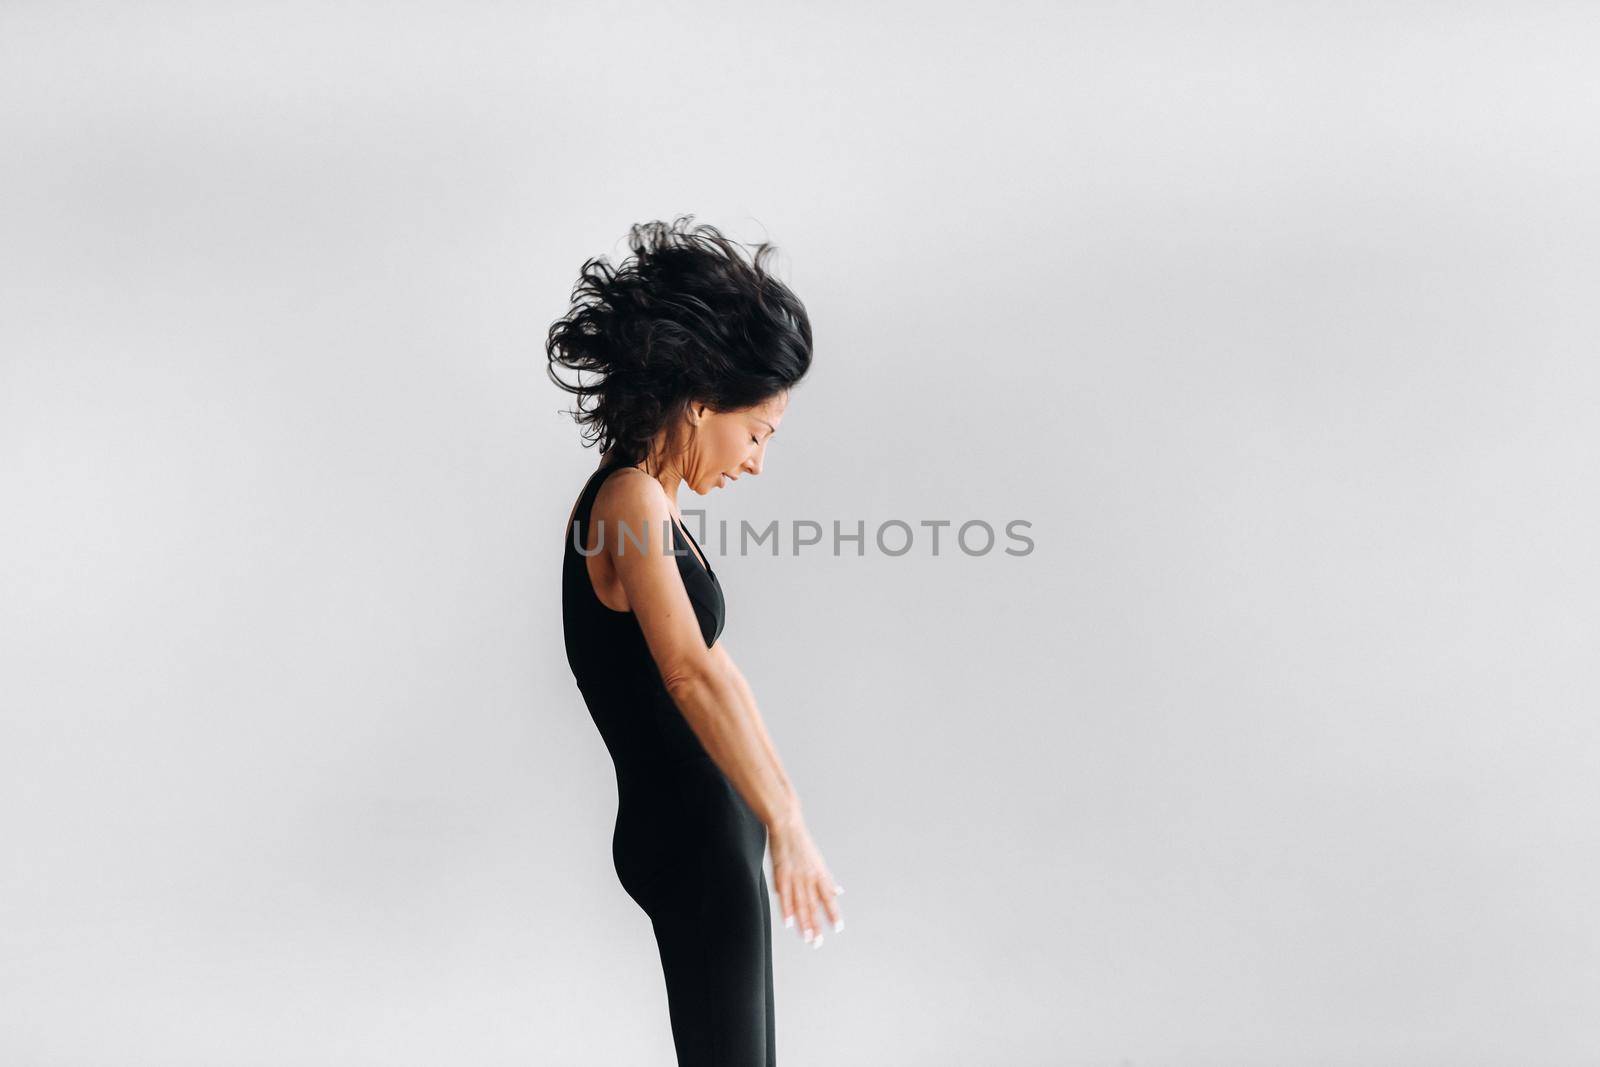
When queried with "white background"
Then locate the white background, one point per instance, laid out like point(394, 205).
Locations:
point(1276, 321)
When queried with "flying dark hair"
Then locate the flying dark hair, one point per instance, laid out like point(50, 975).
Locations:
point(686, 318)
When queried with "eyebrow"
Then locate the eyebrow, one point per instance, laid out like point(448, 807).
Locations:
point(767, 424)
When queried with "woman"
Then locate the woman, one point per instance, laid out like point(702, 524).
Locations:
point(696, 351)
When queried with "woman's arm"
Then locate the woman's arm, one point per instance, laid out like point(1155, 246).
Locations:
point(800, 878)
point(713, 696)
point(791, 809)
point(708, 689)
point(718, 706)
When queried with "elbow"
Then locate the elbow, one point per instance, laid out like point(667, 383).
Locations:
point(689, 675)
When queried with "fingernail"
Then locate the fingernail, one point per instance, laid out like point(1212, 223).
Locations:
point(808, 935)
point(818, 942)
point(838, 889)
point(788, 921)
point(838, 926)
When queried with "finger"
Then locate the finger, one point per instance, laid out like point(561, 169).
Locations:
point(797, 910)
point(785, 896)
point(783, 905)
point(829, 905)
point(793, 904)
point(808, 894)
point(804, 920)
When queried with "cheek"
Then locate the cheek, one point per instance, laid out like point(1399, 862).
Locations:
point(720, 453)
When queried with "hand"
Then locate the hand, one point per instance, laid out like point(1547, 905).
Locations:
point(805, 889)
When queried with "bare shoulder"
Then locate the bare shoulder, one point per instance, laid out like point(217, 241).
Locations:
point(630, 493)
point(637, 514)
point(633, 505)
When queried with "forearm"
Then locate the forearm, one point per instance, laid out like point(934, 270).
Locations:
point(793, 812)
point(721, 710)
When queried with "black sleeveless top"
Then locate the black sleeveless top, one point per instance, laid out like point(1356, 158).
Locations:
point(640, 723)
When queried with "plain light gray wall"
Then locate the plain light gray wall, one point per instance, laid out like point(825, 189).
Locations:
point(1277, 322)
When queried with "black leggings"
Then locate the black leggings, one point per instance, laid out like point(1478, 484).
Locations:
point(688, 850)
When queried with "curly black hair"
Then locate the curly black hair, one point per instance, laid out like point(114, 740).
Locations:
point(685, 318)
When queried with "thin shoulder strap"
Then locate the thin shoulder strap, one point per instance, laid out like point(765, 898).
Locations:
point(578, 525)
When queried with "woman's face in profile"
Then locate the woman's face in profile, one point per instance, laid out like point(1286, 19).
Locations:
point(730, 444)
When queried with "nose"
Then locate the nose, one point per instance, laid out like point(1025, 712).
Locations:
point(753, 464)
